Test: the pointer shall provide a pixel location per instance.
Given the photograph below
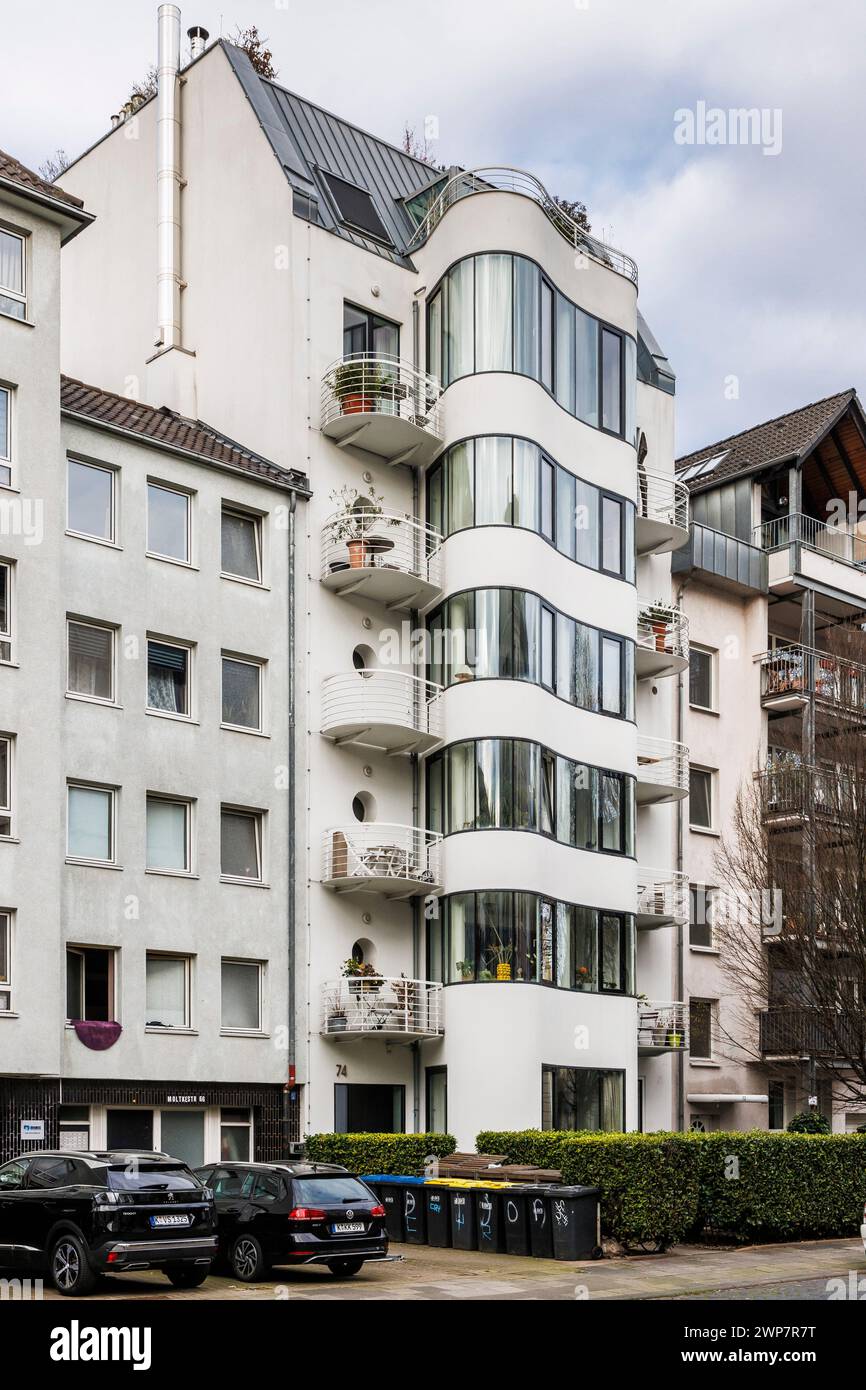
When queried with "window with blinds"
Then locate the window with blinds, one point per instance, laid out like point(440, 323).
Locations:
point(90, 660)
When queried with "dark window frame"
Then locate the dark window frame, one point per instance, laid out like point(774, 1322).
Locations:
point(600, 1072)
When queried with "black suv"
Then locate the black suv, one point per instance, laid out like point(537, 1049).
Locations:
point(80, 1215)
point(294, 1213)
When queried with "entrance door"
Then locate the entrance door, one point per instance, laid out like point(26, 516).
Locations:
point(130, 1129)
point(182, 1135)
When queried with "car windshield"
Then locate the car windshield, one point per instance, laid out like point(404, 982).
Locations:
point(310, 1191)
point(151, 1179)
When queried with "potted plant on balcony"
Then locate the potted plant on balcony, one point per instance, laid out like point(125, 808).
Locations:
point(357, 514)
point(466, 969)
point(408, 1001)
point(355, 384)
point(658, 615)
point(363, 976)
point(337, 1021)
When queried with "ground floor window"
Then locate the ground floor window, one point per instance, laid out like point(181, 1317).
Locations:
point(437, 1100)
point(236, 1136)
point(369, 1109)
point(582, 1098)
point(776, 1097)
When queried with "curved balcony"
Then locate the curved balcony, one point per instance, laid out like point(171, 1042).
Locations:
point(662, 521)
point(382, 556)
point(662, 641)
point(381, 1007)
point(397, 861)
point(384, 406)
point(662, 898)
point(391, 711)
point(500, 178)
point(662, 771)
point(660, 1028)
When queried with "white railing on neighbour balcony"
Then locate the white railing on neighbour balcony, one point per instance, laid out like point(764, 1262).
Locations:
point(663, 762)
point(382, 697)
point(804, 670)
point(662, 497)
point(367, 383)
point(663, 893)
point(381, 540)
point(377, 851)
point(500, 178)
point(839, 542)
point(383, 1005)
point(661, 1026)
point(662, 628)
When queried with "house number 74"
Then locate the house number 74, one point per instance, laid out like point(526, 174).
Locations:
point(342, 1069)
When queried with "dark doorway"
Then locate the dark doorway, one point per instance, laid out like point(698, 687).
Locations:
point(369, 1109)
point(130, 1129)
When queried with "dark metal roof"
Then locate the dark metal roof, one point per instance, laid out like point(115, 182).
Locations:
point(309, 142)
point(166, 429)
point(653, 366)
point(787, 437)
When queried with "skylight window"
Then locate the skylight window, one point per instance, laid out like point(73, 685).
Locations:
point(356, 208)
point(702, 468)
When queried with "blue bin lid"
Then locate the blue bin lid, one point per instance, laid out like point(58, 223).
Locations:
point(400, 1179)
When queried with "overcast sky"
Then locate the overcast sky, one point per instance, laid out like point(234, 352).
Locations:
point(750, 263)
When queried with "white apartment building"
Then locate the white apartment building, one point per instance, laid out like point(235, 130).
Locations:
point(145, 746)
point(483, 634)
point(767, 581)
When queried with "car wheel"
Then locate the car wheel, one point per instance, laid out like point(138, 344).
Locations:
point(186, 1278)
point(247, 1259)
point(344, 1269)
point(70, 1268)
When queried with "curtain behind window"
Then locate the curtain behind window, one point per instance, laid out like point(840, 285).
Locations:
point(493, 349)
point(166, 993)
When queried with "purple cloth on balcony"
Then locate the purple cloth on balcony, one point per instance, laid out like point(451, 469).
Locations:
point(96, 1035)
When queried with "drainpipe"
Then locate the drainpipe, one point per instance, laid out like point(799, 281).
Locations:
point(679, 957)
point(168, 179)
point(416, 772)
point(291, 853)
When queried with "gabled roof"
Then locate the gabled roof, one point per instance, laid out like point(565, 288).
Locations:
point(18, 179)
point(309, 142)
point(16, 172)
point(166, 429)
point(789, 437)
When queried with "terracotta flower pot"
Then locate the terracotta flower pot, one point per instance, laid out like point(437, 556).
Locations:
point(356, 405)
point(660, 630)
point(357, 554)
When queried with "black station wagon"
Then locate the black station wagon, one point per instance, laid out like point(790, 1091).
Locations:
point(294, 1213)
point(77, 1215)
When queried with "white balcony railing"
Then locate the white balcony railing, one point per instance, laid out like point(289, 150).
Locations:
point(389, 710)
point(381, 1006)
point(382, 405)
point(662, 770)
point(661, 1027)
point(662, 640)
point(384, 556)
point(395, 860)
point(789, 675)
point(662, 897)
point(503, 179)
point(839, 542)
point(662, 520)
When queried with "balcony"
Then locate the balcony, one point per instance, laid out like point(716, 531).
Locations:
point(723, 561)
point(791, 792)
point(660, 1028)
point(662, 898)
point(802, 547)
point(391, 711)
point(790, 676)
point(382, 556)
point(662, 641)
point(797, 1031)
point(383, 406)
point(388, 1008)
point(662, 771)
point(396, 861)
point(662, 520)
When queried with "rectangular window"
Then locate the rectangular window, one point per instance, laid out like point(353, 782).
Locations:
point(564, 356)
point(90, 660)
point(90, 990)
point(492, 481)
point(12, 274)
point(5, 961)
point(437, 1100)
point(5, 435)
point(493, 310)
point(611, 675)
point(701, 678)
point(701, 798)
point(5, 785)
point(611, 812)
point(548, 663)
point(526, 282)
point(168, 523)
point(776, 1108)
point(241, 693)
point(241, 545)
point(167, 992)
point(611, 535)
point(460, 491)
point(586, 364)
point(90, 824)
point(241, 996)
point(168, 678)
point(168, 835)
point(525, 500)
point(700, 916)
point(612, 953)
point(236, 1135)
point(461, 787)
point(547, 487)
point(5, 610)
point(459, 320)
point(369, 1108)
point(582, 1098)
point(364, 331)
point(565, 515)
point(548, 792)
point(241, 844)
point(90, 505)
point(546, 335)
point(585, 784)
point(611, 381)
point(586, 524)
point(701, 1029)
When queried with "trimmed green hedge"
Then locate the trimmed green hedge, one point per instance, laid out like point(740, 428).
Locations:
point(379, 1153)
point(754, 1186)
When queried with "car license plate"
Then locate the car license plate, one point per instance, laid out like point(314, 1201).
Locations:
point(176, 1219)
point(347, 1228)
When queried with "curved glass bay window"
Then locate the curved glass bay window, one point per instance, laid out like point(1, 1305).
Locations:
point(516, 784)
point(496, 480)
point(499, 313)
point(510, 936)
point(509, 634)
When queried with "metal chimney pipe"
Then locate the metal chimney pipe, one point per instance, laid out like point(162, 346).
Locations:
point(168, 178)
point(198, 38)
